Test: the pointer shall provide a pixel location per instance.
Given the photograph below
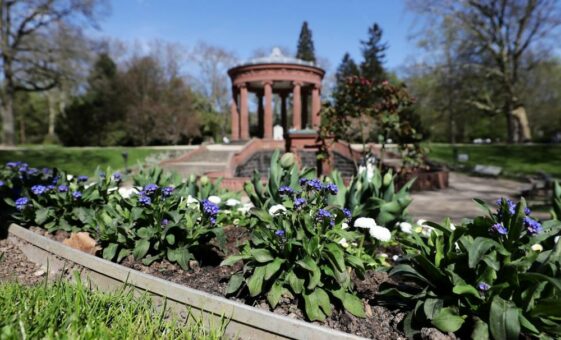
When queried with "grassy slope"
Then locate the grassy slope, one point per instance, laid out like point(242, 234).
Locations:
point(76, 160)
point(514, 159)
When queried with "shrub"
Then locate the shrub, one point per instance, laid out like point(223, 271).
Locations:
point(556, 202)
point(283, 172)
point(157, 223)
point(373, 195)
point(497, 275)
point(303, 247)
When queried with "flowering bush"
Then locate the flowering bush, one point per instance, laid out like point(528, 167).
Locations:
point(156, 224)
point(303, 247)
point(498, 275)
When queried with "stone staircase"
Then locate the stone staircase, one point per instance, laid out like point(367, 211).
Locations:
point(205, 159)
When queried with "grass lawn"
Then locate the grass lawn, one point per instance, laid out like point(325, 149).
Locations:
point(64, 311)
point(78, 161)
point(514, 159)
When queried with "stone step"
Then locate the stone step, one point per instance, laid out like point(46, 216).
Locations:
point(194, 168)
point(211, 156)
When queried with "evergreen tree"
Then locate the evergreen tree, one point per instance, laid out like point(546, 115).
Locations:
point(373, 54)
point(346, 69)
point(305, 50)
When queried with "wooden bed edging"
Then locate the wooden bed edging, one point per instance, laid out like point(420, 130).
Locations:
point(245, 322)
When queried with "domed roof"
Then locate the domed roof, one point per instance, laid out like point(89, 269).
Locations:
point(276, 57)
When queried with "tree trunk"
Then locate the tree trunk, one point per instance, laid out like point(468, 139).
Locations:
point(8, 126)
point(511, 124)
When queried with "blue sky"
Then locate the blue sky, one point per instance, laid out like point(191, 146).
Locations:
point(243, 26)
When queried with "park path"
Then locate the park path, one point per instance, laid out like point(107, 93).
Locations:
point(456, 201)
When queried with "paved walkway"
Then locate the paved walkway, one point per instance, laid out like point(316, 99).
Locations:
point(456, 201)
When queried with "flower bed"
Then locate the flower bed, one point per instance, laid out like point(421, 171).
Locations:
point(310, 248)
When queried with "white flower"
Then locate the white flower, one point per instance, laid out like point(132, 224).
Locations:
point(345, 225)
point(236, 221)
point(245, 208)
point(452, 226)
point(395, 258)
point(423, 228)
point(214, 199)
point(537, 248)
point(192, 200)
point(277, 209)
point(127, 192)
point(380, 233)
point(384, 255)
point(232, 202)
point(69, 177)
point(365, 222)
point(406, 227)
point(343, 243)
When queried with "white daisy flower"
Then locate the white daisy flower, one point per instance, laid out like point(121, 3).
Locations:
point(343, 242)
point(345, 225)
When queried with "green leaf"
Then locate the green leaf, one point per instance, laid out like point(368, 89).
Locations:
point(480, 330)
point(353, 305)
point(261, 255)
point(311, 305)
point(110, 251)
point(230, 260)
point(537, 277)
point(528, 326)
point(296, 283)
point(183, 255)
point(432, 307)
point(170, 239)
point(478, 249)
point(272, 267)
point(323, 301)
point(145, 232)
point(448, 320)
point(315, 274)
point(141, 248)
point(41, 215)
point(336, 255)
point(255, 282)
point(122, 254)
point(274, 295)
point(234, 284)
point(465, 289)
point(503, 319)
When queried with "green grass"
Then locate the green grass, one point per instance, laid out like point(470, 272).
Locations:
point(64, 311)
point(515, 160)
point(78, 161)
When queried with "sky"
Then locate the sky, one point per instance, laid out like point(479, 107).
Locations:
point(243, 26)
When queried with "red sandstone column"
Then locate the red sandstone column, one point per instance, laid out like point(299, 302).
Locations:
point(244, 116)
point(283, 112)
point(316, 105)
point(235, 120)
point(296, 106)
point(268, 121)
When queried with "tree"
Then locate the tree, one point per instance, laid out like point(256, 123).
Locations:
point(103, 106)
point(212, 63)
point(26, 57)
point(509, 38)
point(373, 53)
point(347, 68)
point(305, 49)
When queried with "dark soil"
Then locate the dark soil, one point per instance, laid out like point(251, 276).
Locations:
point(14, 266)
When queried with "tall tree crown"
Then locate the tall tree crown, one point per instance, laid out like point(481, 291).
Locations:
point(305, 49)
point(373, 54)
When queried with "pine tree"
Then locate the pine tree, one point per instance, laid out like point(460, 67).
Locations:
point(305, 50)
point(346, 69)
point(373, 53)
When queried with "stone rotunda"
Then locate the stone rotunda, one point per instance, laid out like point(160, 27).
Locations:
point(293, 80)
